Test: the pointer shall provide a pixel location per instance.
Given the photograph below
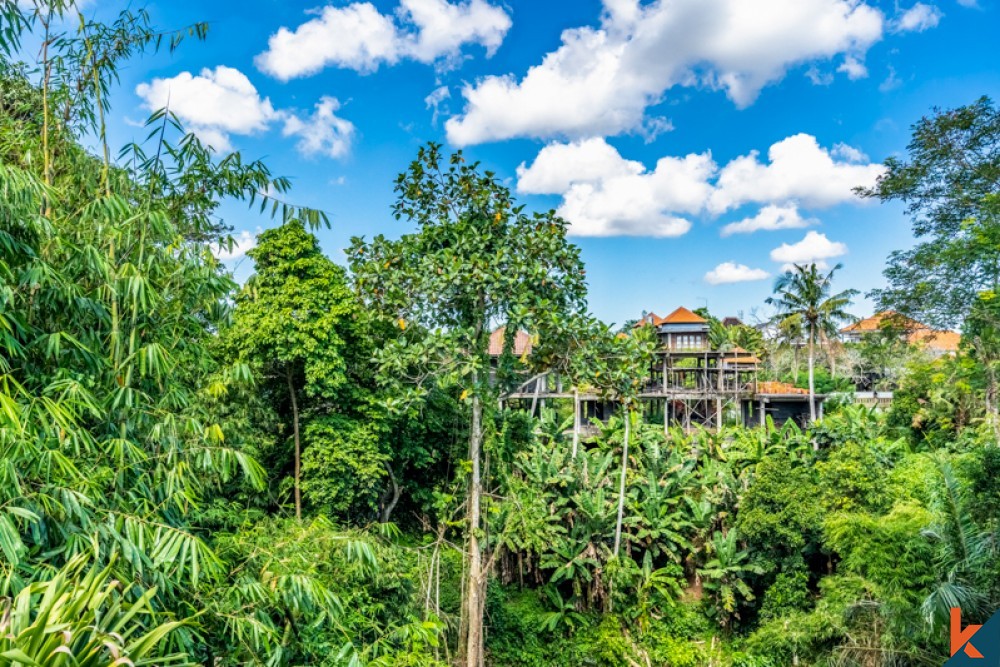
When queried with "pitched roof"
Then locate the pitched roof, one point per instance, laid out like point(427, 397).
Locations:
point(648, 318)
point(682, 316)
point(522, 342)
point(878, 320)
point(941, 341)
point(732, 322)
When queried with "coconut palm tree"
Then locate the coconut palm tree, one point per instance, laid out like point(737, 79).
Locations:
point(805, 294)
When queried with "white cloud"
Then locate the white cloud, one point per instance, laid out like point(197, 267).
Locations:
point(812, 249)
point(322, 133)
point(436, 99)
point(848, 153)
point(601, 80)
point(242, 243)
point(217, 104)
point(891, 82)
point(817, 77)
point(769, 218)
point(558, 166)
point(213, 104)
point(798, 169)
point(361, 38)
point(918, 18)
point(604, 194)
point(854, 69)
point(730, 272)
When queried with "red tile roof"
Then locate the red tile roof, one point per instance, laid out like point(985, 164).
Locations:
point(876, 321)
point(919, 334)
point(522, 342)
point(648, 318)
point(682, 316)
point(941, 341)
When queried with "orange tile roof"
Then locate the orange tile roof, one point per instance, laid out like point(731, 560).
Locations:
point(779, 388)
point(942, 341)
point(875, 322)
point(522, 342)
point(682, 316)
point(648, 318)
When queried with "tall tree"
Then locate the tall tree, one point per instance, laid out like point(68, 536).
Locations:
point(476, 262)
point(626, 366)
point(949, 184)
point(981, 334)
point(805, 293)
point(290, 323)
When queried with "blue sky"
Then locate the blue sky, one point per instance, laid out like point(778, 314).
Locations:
point(650, 126)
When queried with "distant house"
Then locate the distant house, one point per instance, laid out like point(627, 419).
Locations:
point(683, 331)
point(522, 342)
point(732, 322)
point(934, 341)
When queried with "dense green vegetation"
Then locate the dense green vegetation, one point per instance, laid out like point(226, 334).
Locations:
point(316, 468)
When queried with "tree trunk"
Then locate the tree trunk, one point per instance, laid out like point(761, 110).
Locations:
point(389, 503)
point(298, 444)
point(621, 484)
point(474, 602)
point(812, 384)
point(576, 420)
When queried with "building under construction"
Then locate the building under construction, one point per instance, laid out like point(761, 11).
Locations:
point(688, 384)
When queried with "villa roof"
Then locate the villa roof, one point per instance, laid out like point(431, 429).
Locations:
point(731, 322)
point(942, 341)
point(522, 342)
point(878, 320)
point(648, 318)
point(682, 316)
point(918, 334)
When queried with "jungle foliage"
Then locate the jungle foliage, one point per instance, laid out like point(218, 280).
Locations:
point(324, 467)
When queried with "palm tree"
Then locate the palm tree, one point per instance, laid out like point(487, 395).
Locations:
point(804, 294)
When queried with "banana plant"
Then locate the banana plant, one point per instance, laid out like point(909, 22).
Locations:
point(564, 616)
point(723, 576)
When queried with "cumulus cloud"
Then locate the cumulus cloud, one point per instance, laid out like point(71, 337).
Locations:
point(322, 133)
point(212, 104)
point(219, 103)
point(769, 218)
point(601, 79)
point(731, 272)
point(918, 18)
point(605, 194)
point(361, 38)
point(814, 248)
point(797, 169)
point(243, 243)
